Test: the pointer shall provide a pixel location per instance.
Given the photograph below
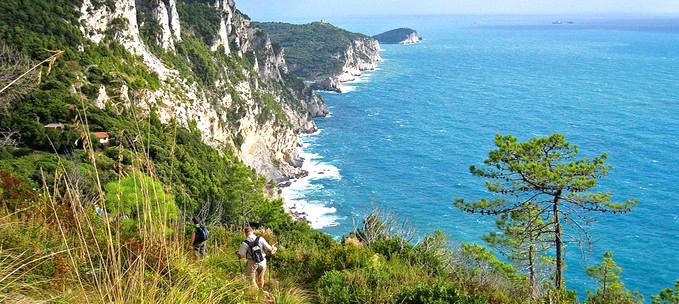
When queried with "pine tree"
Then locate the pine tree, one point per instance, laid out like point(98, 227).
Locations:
point(544, 174)
point(610, 289)
point(524, 240)
point(667, 296)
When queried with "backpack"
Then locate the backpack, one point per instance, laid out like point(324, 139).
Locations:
point(256, 251)
point(201, 234)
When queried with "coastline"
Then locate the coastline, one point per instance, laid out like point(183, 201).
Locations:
point(318, 214)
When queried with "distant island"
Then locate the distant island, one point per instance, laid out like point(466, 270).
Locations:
point(402, 35)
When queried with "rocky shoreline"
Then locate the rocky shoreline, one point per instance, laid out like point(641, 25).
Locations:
point(298, 216)
point(299, 213)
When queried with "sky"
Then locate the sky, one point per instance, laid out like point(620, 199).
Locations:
point(277, 10)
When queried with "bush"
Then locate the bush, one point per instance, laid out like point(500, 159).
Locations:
point(138, 195)
point(389, 246)
point(438, 292)
point(333, 288)
point(667, 296)
point(377, 282)
point(15, 192)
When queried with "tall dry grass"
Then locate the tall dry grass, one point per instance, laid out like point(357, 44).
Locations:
point(60, 250)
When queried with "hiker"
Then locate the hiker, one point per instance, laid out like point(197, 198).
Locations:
point(199, 238)
point(119, 217)
point(252, 249)
point(98, 210)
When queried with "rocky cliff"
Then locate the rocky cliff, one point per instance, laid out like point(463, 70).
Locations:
point(248, 104)
point(412, 38)
point(361, 55)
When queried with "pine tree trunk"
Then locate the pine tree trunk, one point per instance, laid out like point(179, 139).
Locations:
point(558, 243)
point(531, 267)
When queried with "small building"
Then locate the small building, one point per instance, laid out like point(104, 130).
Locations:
point(55, 125)
point(102, 137)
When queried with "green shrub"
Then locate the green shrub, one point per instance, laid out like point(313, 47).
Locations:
point(388, 246)
point(668, 295)
point(438, 292)
point(562, 296)
point(333, 287)
point(432, 254)
point(90, 90)
point(138, 195)
point(377, 282)
point(609, 288)
point(199, 18)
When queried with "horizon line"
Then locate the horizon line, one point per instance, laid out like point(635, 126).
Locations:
point(592, 15)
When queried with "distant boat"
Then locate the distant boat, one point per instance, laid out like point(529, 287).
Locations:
point(562, 22)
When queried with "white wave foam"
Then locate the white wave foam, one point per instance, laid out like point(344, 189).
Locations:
point(297, 194)
point(347, 88)
point(361, 79)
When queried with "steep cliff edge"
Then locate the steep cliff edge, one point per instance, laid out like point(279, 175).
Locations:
point(324, 54)
point(402, 35)
point(218, 74)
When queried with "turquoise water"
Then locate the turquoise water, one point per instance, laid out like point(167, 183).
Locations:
point(405, 135)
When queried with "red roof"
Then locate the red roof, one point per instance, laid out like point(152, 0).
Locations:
point(100, 135)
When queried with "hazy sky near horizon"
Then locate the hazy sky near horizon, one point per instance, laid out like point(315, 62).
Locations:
point(272, 10)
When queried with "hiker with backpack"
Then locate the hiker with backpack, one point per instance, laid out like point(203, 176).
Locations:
point(253, 249)
point(199, 238)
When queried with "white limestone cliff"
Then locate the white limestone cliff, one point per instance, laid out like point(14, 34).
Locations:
point(269, 146)
point(168, 19)
point(225, 25)
point(362, 55)
point(412, 38)
point(96, 21)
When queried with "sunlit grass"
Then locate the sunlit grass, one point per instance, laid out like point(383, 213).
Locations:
point(288, 292)
point(60, 250)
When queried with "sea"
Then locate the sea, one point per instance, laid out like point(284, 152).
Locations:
point(402, 137)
